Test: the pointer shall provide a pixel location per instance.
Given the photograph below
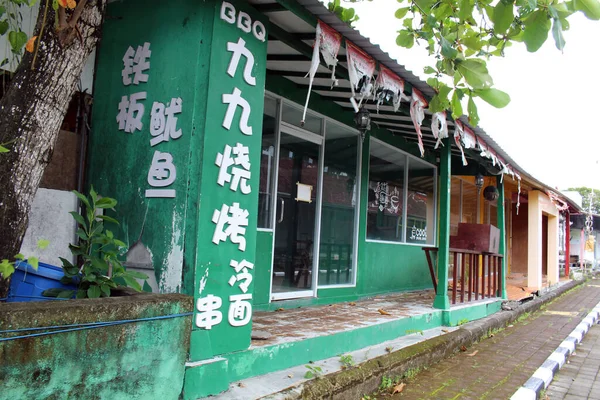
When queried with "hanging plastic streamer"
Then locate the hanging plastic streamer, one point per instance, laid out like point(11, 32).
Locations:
point(519, 193)
point(558, 203)
point(388, 87)
point(417, 114)
point(439, 127)
point(327, 43)
point(459, 131)
point(361, 68)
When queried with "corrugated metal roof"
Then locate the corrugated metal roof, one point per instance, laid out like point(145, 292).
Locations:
point(317, 9)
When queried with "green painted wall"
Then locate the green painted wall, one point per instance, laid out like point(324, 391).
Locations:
point(120, 161)
point(143, 360)
point(262, 269)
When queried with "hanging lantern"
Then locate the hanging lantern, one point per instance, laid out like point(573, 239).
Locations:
point(491, 193)
point(362, 119)
point(479, 182)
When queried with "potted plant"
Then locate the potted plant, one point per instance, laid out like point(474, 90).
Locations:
point(98, 271)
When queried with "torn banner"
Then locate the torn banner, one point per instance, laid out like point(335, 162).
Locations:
point(327, 43)
point(388, 86)
point(361, 68)
point(417, 114)
point(439, 127)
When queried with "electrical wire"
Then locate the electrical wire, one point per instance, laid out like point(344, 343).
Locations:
point(84, 326)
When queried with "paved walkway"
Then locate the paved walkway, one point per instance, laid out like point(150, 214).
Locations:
point(577, 379)
point(496, 367)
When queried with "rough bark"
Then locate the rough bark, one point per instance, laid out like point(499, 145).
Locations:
point(32, 111)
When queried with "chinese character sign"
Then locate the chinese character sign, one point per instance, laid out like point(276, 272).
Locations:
point(231, 162)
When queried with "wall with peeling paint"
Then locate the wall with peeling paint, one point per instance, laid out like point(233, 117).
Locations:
point(140, 360)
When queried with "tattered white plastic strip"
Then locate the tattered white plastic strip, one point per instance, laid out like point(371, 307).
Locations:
point(459, 131)
point(417, 114)
point(439, 127)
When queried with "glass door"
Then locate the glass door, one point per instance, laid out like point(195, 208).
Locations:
point(296, 214)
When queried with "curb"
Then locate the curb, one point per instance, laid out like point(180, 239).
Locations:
point(354, 382)
point(543, 375)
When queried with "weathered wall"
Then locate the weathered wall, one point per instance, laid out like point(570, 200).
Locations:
point(49, 219)
point(143, 360)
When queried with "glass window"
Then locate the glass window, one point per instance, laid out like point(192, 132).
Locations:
point(469, 203)
point(455, 189)
point(386, 191)
point(267, 164)
point(338, 212)
point(293, 115)
point(420, 203)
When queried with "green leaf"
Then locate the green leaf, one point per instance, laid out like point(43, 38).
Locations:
point(447, 50)
point(472, 110)
point(66, 263)
point(559, 39)
point(132, 283)
point(3, 27)
point(532, 4)
point(34, 262)
point(65, 294)
point(537, 26)
point(6, 268)
point(405, 39)
point(425, 5)
point(94, 292)
point(93, 195)
point(503, 17)
point(80, 294)
point(429, 70)
point(475, 73)
point(82, 235)
point(108, 219)
point(407, 23)
point(591, 8)
point(78, 218)
point(20, 257)
point(66, 280)
point(106, 202)
point(42, 244)
point(465, 11)
point(52, 292)
point(136, 274)
point(401, 12)
point(17, 40)
point(494, 97)
point(82, 198)
point(436, 104)
point(2, 10)
point(457, 109)
point(105, 289)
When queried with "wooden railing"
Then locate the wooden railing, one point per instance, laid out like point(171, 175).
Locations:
point(472, 276)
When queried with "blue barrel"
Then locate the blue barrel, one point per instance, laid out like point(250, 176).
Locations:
point(27, 284)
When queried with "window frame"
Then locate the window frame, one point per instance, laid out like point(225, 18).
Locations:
point(408, 157)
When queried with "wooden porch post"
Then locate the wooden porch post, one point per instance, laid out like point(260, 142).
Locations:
point(567, 243)
point(441, 298)
point(502, 244)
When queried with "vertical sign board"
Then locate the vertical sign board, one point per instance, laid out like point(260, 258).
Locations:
point(230, 181)
point(142, 128)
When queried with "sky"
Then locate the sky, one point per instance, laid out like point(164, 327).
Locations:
point(551, 127)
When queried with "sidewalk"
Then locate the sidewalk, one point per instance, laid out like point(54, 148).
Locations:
point(577, 379)
point(496, 367)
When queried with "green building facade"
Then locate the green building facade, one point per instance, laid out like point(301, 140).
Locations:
point(226, 196)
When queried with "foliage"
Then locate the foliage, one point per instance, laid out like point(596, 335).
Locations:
point(462, 35)
point(7, 267)
point(347, 15)
point(585, 192)
point(347, 361)
point(313, 372)
point(99, 269)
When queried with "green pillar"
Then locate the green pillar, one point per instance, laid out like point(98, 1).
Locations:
point(441, 299)
point(502, 227)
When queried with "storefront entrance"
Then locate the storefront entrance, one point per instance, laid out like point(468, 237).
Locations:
point(298, 205)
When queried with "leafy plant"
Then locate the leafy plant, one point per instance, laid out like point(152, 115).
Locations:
point(348, 15)
point(313, 372)
point(7, 267)
point(99, 269)
point(386, 383)
point(462, 35)
point(347, 361)
point(462, 322)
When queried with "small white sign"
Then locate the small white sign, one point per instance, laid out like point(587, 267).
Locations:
point(304, 192)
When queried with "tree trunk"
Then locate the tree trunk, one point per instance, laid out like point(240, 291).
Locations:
point(32, 111)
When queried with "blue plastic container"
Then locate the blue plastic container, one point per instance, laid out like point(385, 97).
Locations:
point(27, 284)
